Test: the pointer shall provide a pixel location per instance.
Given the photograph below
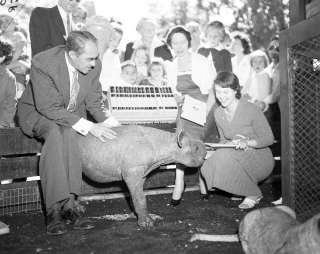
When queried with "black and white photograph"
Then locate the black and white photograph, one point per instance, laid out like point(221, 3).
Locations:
point(159, 126)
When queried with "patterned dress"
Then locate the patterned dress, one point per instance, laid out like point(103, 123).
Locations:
point(239, 171)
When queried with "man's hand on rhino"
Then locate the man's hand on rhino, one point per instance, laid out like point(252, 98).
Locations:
point(102, 132)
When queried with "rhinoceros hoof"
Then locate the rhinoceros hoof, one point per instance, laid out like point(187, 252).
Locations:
point(146, 222)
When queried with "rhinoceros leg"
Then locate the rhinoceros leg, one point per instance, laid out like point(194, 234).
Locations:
point(135, 180)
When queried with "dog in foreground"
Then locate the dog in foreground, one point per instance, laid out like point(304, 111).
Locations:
point(273, 230)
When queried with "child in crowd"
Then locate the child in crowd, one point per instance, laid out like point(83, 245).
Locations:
point(79, 17)
point(111, 66)
point(129, 73)
point(258, 86)
point(216, 38)
point(141, 58)
point(7, 87)
point(156, 74)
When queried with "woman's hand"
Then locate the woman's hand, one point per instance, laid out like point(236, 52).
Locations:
point(179, 99)
point(240, 144)
point(262, 105)
point(244, 144)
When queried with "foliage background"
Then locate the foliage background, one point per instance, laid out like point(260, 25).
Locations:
point(260, 19)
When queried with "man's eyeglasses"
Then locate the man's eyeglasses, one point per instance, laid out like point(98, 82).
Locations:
point(78, 1)
point(272, 47)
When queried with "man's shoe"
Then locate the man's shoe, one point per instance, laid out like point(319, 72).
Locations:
point(55, 224)
point(68, 216)
point(76, 219)
point(175, 202)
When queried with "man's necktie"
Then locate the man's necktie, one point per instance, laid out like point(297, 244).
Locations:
point(68, 24)
point(74, 92)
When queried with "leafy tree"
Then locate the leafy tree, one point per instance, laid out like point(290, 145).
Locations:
point(260, 19)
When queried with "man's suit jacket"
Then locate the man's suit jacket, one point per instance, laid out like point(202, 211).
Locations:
point(46, 29)
point(48, 92)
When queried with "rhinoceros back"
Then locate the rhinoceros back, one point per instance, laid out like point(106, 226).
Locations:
point(133, 146)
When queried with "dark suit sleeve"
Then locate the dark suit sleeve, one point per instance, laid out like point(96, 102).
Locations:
point(227, 61)
point(39, 36)
point(48, 100)
point(203, 51)
point(128, 52)
point(163, 52)
point(94, 101)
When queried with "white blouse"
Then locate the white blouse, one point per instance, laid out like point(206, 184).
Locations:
point(203, 73)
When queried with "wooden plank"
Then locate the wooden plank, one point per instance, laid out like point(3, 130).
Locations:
point(297, 11)
point(285, 89)
point(303, 31)
point(312, 8)
point(18, 167)
point(13, 141)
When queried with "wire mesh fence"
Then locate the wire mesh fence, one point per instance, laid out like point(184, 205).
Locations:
point(20, 199)
point(304, 126)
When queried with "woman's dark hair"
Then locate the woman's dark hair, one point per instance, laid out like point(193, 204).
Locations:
point(6, 50)
point(227, 79)
point(245, 42)
point(179, 29)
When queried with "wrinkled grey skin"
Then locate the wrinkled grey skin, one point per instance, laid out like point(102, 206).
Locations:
point(275, 230)
point(136, 152)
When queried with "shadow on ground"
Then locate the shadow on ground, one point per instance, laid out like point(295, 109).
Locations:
point(219, 215)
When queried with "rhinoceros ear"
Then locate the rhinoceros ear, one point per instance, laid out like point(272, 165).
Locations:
point(180, 137)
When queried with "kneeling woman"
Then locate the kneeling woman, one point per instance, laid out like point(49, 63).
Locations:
point(239, 170)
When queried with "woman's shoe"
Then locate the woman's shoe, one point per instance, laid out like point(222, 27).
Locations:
point(175, 202)
point(250, 202)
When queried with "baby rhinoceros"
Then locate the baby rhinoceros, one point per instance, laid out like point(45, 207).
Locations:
point(131, 156)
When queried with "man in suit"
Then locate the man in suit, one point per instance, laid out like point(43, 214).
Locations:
point(64, 85)
point(49, 27)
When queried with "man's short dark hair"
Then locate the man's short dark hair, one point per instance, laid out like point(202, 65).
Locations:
point(77, 39)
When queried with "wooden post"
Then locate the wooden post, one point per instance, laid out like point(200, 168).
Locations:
point(297, 11)
point(285, 111)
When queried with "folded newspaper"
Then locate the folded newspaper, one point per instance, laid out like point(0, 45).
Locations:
point(194, 110)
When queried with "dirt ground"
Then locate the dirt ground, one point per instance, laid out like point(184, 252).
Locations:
point(219, 215)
